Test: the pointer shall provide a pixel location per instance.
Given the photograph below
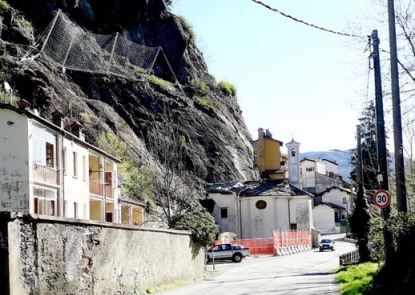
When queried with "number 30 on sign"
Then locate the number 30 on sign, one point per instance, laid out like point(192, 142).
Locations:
point(382, 198)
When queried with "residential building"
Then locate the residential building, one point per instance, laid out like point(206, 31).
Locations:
point(318, 175)
point(267, 156)
point(46, 170)
point(256, 209)
point(332, 208)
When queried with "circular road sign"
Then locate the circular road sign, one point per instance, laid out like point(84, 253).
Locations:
point(382, 198)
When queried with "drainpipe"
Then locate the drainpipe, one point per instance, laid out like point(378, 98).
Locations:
point(102, 180)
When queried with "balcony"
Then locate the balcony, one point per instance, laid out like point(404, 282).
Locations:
point(45, 174)
point(97, 188)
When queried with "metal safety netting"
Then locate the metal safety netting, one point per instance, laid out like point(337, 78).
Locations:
point(73, 48)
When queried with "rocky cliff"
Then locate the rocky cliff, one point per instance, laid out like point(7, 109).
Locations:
point(208, 117)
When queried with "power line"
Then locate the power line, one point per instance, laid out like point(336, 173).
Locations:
point(304, 22)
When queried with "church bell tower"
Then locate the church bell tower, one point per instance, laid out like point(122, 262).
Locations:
point(293, 155)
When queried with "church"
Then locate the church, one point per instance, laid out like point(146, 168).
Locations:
point(258, 209)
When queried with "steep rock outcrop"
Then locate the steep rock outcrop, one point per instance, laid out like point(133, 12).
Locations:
point(218, 140)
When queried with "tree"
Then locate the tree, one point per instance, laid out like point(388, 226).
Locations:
point(359, 221)
point(173, 187)
point(136, 177)
point(369, 151)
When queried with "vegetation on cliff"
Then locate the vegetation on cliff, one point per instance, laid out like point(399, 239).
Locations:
point(124, 114)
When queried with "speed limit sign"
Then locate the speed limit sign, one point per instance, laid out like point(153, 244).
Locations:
point(382, 198)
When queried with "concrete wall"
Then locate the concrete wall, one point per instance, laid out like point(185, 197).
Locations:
point(53, 256)
point(229, 201)
point(324, 182)
point(14, 162)
point(336, 196)
point(323, 216)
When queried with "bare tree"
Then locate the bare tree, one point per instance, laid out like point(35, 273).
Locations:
point(174, 189)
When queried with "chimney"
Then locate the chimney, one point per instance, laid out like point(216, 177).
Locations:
point(77, 130)
point(260, 133)
point(57, 118)
point(23, 104)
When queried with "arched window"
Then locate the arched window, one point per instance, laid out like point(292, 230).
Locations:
point(293, 152)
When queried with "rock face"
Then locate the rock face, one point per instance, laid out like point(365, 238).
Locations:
point(217, 139)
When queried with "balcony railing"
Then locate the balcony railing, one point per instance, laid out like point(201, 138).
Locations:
point(45, 174)
point(97, 188)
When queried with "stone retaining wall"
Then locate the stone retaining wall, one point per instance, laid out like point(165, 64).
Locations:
point(56, 256)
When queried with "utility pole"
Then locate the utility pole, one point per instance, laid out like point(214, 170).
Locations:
point(396, 109)
point(380, 121)
point(381, 141)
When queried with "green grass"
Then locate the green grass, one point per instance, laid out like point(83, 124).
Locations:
point(4, 5)
point(357, 279)
point(187, 27)
point(227, 88)
point(7, 99)
point(160, 82)
point(205, 103)
point(199, 86)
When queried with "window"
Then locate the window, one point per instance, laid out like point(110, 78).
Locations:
point(43, 147)
point(223, 212)
point(64, 164)
point(75, 210)
point(293, 226)
point(309, 169)
point(261, 204)
point(293, 153)
point(50, 155)
point(44, 201)
point(75, 164)
point(84, 173)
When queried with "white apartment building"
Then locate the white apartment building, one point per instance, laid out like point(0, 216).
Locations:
point(319, 175)
point(46, 170)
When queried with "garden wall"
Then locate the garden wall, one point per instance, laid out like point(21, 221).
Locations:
point(56, 256)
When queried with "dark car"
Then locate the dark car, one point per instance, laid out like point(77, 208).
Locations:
point(326, 244)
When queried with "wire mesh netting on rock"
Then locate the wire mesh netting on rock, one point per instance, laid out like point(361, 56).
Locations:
point(73, 48)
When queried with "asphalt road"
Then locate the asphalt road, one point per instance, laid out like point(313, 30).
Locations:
point(305, 273)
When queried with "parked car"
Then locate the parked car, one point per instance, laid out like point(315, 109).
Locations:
point(326, 244)
point(227, 251)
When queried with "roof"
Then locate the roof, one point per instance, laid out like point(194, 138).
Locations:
point(319, 160)
point(307, 159)
point(330, 161)
point(293, 142)
point(224, 187)
point(54, 127)
point(334, 206)
point(335, 187)
point(270, 138)
point(268, 172)
point(272, 187)
point(131, 201)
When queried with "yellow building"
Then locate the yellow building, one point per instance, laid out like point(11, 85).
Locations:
point(267, 156)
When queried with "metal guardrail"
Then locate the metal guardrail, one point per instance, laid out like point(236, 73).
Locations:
point(352, 257)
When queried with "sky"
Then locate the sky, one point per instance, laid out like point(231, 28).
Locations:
point(295, 80)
